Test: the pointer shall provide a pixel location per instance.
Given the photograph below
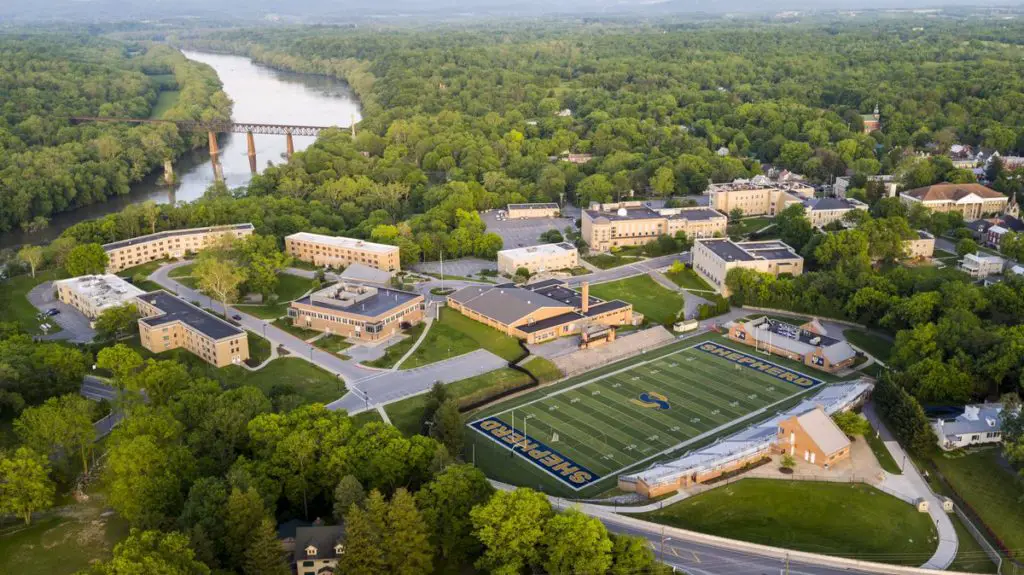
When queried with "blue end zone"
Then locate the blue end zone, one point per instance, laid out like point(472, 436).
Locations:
point(766, 367)
point(564, 469)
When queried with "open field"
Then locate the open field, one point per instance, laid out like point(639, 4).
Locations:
point(165, 101)
point(658, 304)
point(992, 490)
point(407, 414)
point(64, 542)
point(851, 520)
point(314, 384)
point(610, 423)
point(876, 346)
point(746, 226)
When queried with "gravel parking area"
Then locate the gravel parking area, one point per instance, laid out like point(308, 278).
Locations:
point(75, 325)
point(526, 232)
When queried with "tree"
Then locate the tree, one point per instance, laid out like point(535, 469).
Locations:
point(664, 181)
point(25, 486)
point(575, 543)
point(735, 215)
point(243, 515)
point(120, 360)
point(966, 246)
point(994, 169)
point(551, 237)
point(117, 321)
point(511, 528)
point(218, 278)
point(152, 552)
point(406, 543)
point(265, 555)
point(364, 530)
point(32, 256)
point(437, 395)
point(150, 213)
point(631, 555)
point(147, 479)
point(61, 426)
point(851, 423)
point(448, 426)
point(349, 492)
point(794, 227)
point(159, 379)
point(787, 462)
point(202, 518)
point(446, 503)
point(85, 259)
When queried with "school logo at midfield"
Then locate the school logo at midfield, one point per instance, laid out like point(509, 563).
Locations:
point(652, 400)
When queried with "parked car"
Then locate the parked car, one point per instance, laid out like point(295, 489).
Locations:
point(236, 317)
point(52, 311)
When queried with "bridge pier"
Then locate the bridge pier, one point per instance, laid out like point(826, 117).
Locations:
point(168, 172)
point(251, 143)
point(289, 144)
point(218, 171)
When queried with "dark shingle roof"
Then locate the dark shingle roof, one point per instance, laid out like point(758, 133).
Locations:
point(323, 537)
point(177, 309)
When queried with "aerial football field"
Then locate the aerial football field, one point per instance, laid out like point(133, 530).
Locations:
point(597, 428)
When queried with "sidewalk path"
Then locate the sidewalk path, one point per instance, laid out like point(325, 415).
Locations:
point(914, 486)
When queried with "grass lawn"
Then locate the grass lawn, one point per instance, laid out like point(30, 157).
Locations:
point(688, 279)
point(309, 381)
point(286, 325)
point(882, 454)
point(371, 416)
point(993, 491)
point(852, 520)
point(658, 304)
point(333, 344)
point(747, 226)
point(397, 350)
point(259, 349)
point(455, 334)
point(944, 255)
point(165, 101)
point(609, 261)
point(301, 265)
point(407, 414)
point(291, 287)
point(145, 269)
point(877, 346)
point(182, 272)
point(64, 543)
point(14, 305)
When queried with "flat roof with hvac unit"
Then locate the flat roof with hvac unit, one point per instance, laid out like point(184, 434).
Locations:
point(94, 294)
point(539, 206)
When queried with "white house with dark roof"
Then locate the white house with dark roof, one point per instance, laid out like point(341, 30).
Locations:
point(318, 549)
point(824, 211)
point(979, 424)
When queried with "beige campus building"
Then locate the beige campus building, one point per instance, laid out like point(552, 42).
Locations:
point(713, 258)
point(92, 295)
point(757, 199)
point(919, 247)
point(824, 211)
point(367, 313)
point(616, 225)
point(524, 211)
point(171, 244)
point(169, 322)
point(338, 252)
point(539, 259)
point(972, 200)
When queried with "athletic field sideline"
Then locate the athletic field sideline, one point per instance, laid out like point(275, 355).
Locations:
point(600, 427)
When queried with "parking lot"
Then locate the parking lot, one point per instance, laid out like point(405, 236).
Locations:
point(463, 267)
point(75, 326)
point(526, 232)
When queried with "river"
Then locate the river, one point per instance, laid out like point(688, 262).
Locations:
point(260, 94)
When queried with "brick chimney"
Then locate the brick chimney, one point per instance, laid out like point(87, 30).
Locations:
point(586, 297)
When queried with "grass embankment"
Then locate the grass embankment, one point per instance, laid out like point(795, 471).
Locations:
point(658, 304)
point(882, 453)
point(407, 414)
point(746, 226)
point(139, 275)
point(333, 344)
point(14, 304)
point(166, 100)
point(455, 334)
point(289, 287)
point(850, 520)
point(285, 324)
point(991, 489)
point(875, 345)
point(688, 279)
point(259, 349)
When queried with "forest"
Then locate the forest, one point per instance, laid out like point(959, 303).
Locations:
point(49, 166)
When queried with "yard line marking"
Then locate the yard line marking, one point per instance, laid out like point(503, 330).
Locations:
point(695, 556)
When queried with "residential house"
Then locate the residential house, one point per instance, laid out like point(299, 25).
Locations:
point(980, 266)
point(979, 424)
point(318, 549)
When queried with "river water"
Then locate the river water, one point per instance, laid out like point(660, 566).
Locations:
point(261, 95)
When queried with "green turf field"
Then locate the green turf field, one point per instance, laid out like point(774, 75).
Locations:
point(615, 421)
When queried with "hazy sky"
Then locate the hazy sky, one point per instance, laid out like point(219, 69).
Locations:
point(347, 10)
